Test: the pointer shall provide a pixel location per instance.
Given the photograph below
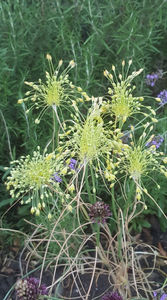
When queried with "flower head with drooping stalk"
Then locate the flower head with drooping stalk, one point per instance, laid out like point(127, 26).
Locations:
point(32, 176)
point(57, 91)
point(138, 160)
point(121, 104)
point(29, 289)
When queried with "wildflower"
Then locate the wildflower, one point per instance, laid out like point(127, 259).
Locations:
point(29, 289)
point(99, 212)
point(56, 91)
point(138, 160)
point(56, 177)
point(87, 140)
point(112, 296)
point(157, 296)
point(155, 141)
point(123, 104)
point(163, 97)
point(163, 297)
point(72, 164)
point(152, 78)
point(31, 176)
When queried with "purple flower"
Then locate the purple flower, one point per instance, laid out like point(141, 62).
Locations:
point(29, 289)
point(112, 296)
point(163, 297)
point(56, 177)
point(99, 212)
point(163, 96)
point(152, 78)
point(155, 141)
point(72, 163)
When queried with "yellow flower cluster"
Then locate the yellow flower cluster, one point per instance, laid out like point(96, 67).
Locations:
point(30, 177)
point(57, 91)
point(121, 104)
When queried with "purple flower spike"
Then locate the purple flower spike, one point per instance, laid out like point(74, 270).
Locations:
point(163, 96)
point(156, 141)
point(99, 212)
point(56, 177)
point(112, 296)
point(72, 163)
point(29, 289)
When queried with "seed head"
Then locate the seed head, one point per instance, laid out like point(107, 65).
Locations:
point(29, 289)
point(99, 212)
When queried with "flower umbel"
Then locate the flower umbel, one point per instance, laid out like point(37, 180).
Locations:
point(112, 296)
point(29, 289)
point(140, 158)
point(87, 140)
point(31, 176)
point(99, 212)
point(122, 103)
point(54, 92)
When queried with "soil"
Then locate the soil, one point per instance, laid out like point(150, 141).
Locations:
point(10, 271)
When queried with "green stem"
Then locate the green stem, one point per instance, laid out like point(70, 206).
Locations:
point(88, 186)
point(55, 131)
point(130, 197)
point(97, 235)
point(114, 210)
point(93, 183)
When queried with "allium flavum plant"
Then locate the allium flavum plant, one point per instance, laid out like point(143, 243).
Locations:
point(96, 175)
point(95, 140)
